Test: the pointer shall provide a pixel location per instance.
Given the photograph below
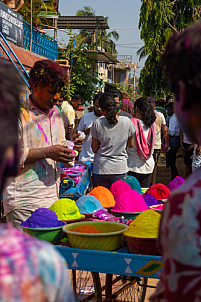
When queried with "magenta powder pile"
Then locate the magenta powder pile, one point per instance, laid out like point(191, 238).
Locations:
point(175, 183)
point(42, 218)
point(151, 200)
point(130, 202)
point(159, 191)
point(118, 188)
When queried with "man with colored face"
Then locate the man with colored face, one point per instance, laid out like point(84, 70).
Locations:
point(180, 235)
point(43, 146)
point(85, 125)
point(30, 269)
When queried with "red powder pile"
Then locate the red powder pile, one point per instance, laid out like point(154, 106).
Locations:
point(85, 229)
point(118, 188)
point(104, 196)
point(159, 191)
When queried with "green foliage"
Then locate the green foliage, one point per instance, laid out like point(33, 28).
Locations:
point(82, 79)
point(86, 37)
point(158, 20)
point(38, 6)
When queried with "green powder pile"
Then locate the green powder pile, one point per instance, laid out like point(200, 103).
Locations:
point(145, 225)
point(66, 209)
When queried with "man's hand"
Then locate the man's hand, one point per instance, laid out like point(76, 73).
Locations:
point(78, 141)
point(60, 153)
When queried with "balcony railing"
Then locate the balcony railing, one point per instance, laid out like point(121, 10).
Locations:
point(42, 44)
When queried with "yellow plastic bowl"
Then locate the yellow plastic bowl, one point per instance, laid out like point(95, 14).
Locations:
point(110, 238)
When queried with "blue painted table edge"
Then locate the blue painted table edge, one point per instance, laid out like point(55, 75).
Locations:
point(120, 262)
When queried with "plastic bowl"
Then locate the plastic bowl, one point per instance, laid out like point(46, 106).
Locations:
point(144, 190)
point(127, 215)
point(110, 238)
point(157, 208)
point(52, 235)
point(145, 246)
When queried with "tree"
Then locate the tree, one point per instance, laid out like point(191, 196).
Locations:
point(158, 20)
point(86, 37)
point(38, 7)
point(82, 79)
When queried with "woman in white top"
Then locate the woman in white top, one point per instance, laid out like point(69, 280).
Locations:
point(140, 156)
point(111, 134)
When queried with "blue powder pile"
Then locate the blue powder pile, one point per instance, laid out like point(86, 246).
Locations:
point(88, 204)
point(133, 183)
point(151, 200)
point(42, 218)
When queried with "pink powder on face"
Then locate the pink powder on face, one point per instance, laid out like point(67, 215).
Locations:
point(118, 188)
point(130, 201)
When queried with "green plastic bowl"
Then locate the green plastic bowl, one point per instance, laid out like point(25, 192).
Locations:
point(110, 238)
point(52, 235)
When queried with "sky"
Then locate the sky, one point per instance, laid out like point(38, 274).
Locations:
point(123, 17)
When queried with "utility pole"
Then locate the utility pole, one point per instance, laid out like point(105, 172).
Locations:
point(134, 67)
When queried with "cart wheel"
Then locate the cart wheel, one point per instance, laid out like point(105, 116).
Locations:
point(87, 286)
point(127, 289)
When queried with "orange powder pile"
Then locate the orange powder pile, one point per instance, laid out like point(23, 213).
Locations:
point(85, 229)
point(104, 196)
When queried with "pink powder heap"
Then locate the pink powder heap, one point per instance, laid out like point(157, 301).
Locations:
point(118, 188)
point(130, 202)
point(159, 191)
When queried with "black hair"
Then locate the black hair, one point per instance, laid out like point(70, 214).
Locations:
point(107, 103)
point(144, 104)
point(182, 62)
point(97, 97)
point(169, 105)
point(77, 97)
point(47, 72)
point(116, 93)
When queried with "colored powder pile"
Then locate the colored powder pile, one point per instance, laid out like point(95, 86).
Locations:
point(159, 191)
point(88, 204)
point(42, 218)
point(175, 183)
point(66, 209)
point(151, 200)
point(118, 188)
point(133, 183)
point(104, 196)
point(145, 225)
point(85, 229)
point(130, 201)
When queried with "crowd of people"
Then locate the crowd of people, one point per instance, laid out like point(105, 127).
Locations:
point(119, 138)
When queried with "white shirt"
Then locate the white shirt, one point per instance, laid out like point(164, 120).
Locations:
point(160, 120)
point(37, 185)
point(174, 128)
point(135, 163)
point(87, 121)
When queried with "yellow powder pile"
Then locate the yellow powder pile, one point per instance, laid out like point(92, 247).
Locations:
point(104, 196)
point(145, 225)
point(86, 229)
point(66, 209)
